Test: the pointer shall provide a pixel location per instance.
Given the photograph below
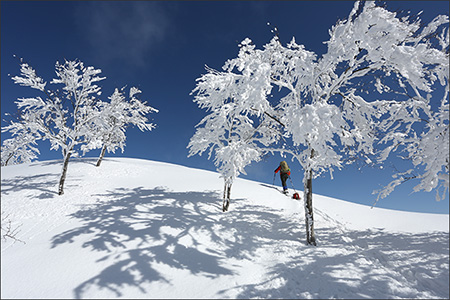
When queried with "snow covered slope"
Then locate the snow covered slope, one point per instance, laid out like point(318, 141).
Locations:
point(142, 229)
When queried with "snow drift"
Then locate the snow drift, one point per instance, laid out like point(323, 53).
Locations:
point(134, 228)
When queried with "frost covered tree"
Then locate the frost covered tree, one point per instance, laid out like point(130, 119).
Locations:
point(114, 118)
point(233, 132)
point(335, 108)
point(373, 62)
point(62, 116)
point(250, 79)
point(73, 118)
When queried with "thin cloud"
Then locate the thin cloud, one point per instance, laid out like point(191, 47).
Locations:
point(123, 30)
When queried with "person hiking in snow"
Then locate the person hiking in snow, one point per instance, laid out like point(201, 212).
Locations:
point(285, 172)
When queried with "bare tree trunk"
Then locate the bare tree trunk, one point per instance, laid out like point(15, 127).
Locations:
point(7, 161)
point(226, 197)
point(309, 216)
point(102, 154)
point(64, 172)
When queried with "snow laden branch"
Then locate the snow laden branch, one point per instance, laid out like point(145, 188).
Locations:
point(377, 79)
point(383, 71)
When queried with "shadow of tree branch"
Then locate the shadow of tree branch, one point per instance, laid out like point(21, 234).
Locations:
point(139, 228)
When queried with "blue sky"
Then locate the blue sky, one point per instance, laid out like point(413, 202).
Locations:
point(162, 47)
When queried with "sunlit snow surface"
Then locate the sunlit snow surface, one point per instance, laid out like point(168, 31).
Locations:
point(142, 229)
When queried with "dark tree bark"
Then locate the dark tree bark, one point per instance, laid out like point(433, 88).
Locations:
point(100, 158)
point(309, 216)
point(226, 197)
point(9, 158)
point(64, 173)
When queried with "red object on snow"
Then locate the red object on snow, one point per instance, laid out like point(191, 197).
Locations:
point(296, 196)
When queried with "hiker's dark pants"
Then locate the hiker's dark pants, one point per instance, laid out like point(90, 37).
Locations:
point(284, 177)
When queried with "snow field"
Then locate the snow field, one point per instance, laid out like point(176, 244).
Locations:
point(142, 229)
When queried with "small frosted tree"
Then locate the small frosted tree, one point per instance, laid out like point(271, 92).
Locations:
point(233, 132)
point(63, 116)
point(114, 118)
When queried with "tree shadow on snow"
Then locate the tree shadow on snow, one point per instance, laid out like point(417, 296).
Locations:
point(139, 228)
point(44, 183)
point(361, 264)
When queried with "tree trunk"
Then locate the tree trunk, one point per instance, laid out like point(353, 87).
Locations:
point(64, 172)
point(309, 217)
point(226, 197)
point(7, 161)
point(102, 154)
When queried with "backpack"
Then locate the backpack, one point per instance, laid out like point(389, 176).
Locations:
point(284, 167)
point(296, 196)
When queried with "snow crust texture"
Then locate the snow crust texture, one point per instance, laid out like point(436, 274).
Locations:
point(143, 229)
